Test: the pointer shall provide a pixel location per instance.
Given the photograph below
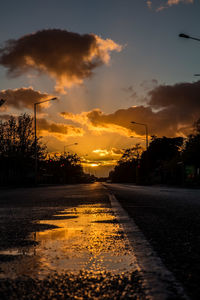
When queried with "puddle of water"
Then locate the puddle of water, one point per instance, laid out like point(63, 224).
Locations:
point(90, 240)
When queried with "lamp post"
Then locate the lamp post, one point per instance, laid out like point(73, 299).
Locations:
point(186, 36)
point(146, 131)
point(35, 127)
point(68, 146)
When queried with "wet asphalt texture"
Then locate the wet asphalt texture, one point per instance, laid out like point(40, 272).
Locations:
point(70, 286)
point(170, 221)
point(20, 211)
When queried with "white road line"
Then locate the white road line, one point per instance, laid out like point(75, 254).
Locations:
point(159, 282)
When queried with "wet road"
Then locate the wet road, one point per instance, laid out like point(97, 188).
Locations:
point(67, 241)
point(64, 242)
point(170, 220)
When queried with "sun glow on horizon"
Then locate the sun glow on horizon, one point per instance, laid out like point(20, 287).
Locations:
point(94, 165)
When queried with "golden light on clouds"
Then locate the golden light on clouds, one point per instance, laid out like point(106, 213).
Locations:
point(101, 152)
point(104, 48)
point(166, 4)
point(69, 59)
point(109, 153)
point(94, 165)
point(92, 120)
point(59, 130)
point(164, 113)
point(99, 168)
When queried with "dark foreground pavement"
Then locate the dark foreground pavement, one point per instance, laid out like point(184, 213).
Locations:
point(170, 220)
point(74, 286)
point(32, 264)
point(64, 242)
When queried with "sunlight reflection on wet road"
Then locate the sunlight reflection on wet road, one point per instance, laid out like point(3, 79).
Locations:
point(87, 237)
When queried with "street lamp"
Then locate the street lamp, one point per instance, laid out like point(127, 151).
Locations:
point(146, 131)
point(35, 127)
point(68, 146)
point(186, 36)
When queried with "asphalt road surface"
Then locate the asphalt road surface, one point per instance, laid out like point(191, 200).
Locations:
point(170, 220)
point(66, 242)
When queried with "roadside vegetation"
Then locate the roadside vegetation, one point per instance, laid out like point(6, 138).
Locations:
point(173, 161)
point(17, 157)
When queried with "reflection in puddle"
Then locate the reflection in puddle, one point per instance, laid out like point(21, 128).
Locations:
point(89, 239)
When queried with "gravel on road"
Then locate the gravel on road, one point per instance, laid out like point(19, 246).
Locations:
point(28, 213)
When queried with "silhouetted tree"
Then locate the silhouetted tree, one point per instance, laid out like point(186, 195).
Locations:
point(159, 164)
point(17, 150)
point(64, 169)
point(191, 152)
point(126, 168)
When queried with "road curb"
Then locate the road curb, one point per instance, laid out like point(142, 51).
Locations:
point(158, 282)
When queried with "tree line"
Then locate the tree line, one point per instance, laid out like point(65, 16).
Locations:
point(17, 157)
point(173, 161)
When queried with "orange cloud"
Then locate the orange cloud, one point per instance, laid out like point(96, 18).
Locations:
point(101, 152)
point(149, 4)
point(175, 2)
point(167, 3)
point(94, 121)
point(67, 57)
point(58, 130)
point(108, 154)
point(171, 110)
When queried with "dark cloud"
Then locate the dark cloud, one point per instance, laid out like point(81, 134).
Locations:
point(165, 122)
point(66, 56)
point(139, 114)
point(183, 96)
point(171, 111)
point(22, 97)
point(59, 128)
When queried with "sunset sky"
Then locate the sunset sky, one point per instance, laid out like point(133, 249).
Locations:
point(109, 62)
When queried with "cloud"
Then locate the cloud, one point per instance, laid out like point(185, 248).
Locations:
point(167, 4)
point(101, 152)
point(67, 57)
point(105, 153)
point(117, 151)
point(58, 130)
point(149, 4)
point(149, 84)
point(175, 2)
point(132, 94)
point(22, 97)
point(4, 117)
point(97, 122)
point(183, 97)
point(171, 110)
